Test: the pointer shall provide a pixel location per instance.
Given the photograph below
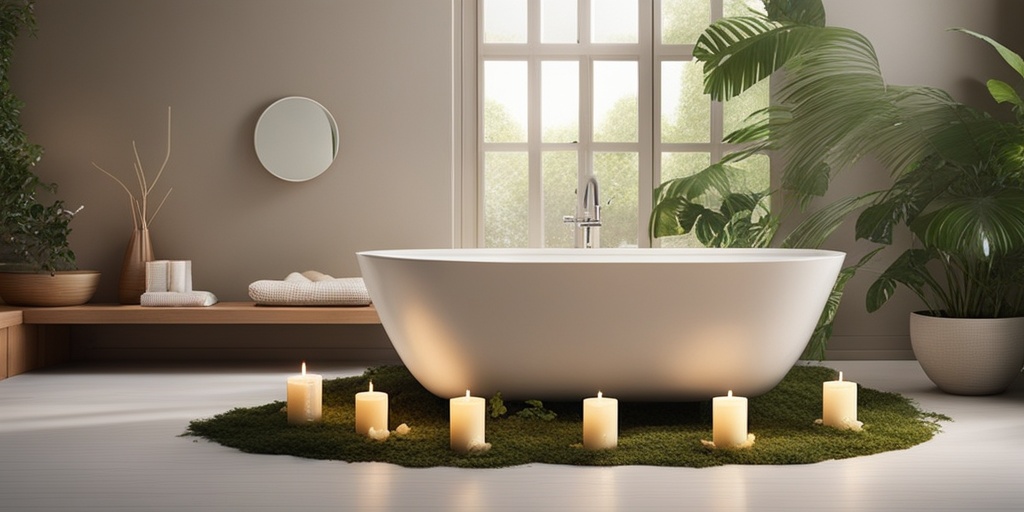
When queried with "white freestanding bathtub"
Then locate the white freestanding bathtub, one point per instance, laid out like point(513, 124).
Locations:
point(636, 324)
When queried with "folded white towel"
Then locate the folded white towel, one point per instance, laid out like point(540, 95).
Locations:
point(177, 299)
point(310, 288)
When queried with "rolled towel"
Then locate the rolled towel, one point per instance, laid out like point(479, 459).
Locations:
point(194, 298)
point(156, 276)
point(179, 276)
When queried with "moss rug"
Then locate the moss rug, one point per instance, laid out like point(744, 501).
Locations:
point(658, 434)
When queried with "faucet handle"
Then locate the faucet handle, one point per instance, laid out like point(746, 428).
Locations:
point(569, 219)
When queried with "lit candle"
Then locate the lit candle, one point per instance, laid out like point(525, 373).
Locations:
point(729, 418)
point(839, 404)
point(467, 423)
point(371, 411)
point(600, 423)
point(305, 397)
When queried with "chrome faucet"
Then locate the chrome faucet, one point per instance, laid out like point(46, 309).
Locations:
point(590, 221)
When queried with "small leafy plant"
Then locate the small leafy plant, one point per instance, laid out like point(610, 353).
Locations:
point(33, 235)
point(534, 410)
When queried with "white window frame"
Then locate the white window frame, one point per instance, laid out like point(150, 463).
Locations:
point(468, 216)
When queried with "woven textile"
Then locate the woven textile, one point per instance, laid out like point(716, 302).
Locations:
point(178, 299)
point(310, 288)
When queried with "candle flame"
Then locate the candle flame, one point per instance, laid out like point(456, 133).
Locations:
point(303, 367)
point(599, 394)
point(371, 386)
point(467, 393)
point(730, 392)
point(840, 376)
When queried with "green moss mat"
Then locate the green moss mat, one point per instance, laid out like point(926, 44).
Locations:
point(659, 434)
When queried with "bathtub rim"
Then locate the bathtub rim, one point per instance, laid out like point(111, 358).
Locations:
point(631, 255)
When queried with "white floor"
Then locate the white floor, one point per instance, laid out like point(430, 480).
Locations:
point(107, 439)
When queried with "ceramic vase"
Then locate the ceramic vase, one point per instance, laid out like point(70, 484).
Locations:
point(133, 268)
point(969, 356)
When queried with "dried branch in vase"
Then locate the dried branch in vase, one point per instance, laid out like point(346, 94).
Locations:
point(139, 204)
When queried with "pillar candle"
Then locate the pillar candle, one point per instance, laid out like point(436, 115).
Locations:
point(729, 418)
point(305, 398)
point(371, 411)
point(466, 415)
point(600, 423)
point(839, 403)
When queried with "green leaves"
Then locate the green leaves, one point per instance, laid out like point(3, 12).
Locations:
point(33, 235)
point(688, 205)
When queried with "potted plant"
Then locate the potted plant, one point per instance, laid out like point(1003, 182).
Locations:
point(37, 263)
point(958, 172)
point(966, 211)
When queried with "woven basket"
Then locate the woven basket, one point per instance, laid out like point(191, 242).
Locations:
point(66, 288)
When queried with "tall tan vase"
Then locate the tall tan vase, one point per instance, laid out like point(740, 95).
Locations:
point(133, 268)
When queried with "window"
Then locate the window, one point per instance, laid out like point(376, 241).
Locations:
point(566, 88)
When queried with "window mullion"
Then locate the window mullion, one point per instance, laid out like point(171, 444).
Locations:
point(647, 117)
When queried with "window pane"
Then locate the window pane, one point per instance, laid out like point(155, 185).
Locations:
point(737, 110)
point(679, 165)
point(505, 101)
point(742, 7)
point(685, 110)
point(558, 21)
point(614, 21)
point(560, 101)
point(756, 175)
point(560, 169)
point(506, 199)
point(616, 116)
point(682, 21)
point(504, 21)
point(618, 176)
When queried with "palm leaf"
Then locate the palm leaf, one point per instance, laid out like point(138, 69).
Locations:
point(804, 12)
point(981, 226)
point(817, 227)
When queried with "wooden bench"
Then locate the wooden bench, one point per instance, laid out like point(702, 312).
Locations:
point(33, 338)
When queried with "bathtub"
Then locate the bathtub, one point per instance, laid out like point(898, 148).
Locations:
point(635, 324)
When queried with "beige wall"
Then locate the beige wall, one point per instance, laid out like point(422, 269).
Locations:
point(100, 73)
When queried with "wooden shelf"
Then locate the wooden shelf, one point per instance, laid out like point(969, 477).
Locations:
point(10, 316)
point(220, 313)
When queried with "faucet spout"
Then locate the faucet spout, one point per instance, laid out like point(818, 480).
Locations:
point(591, 199)
point(590, 221)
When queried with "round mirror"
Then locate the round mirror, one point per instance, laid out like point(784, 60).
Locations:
point(296, 139)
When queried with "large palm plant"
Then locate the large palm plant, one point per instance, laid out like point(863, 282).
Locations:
point(957, 170)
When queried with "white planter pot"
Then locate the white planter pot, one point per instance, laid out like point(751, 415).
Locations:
point(969, 356)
